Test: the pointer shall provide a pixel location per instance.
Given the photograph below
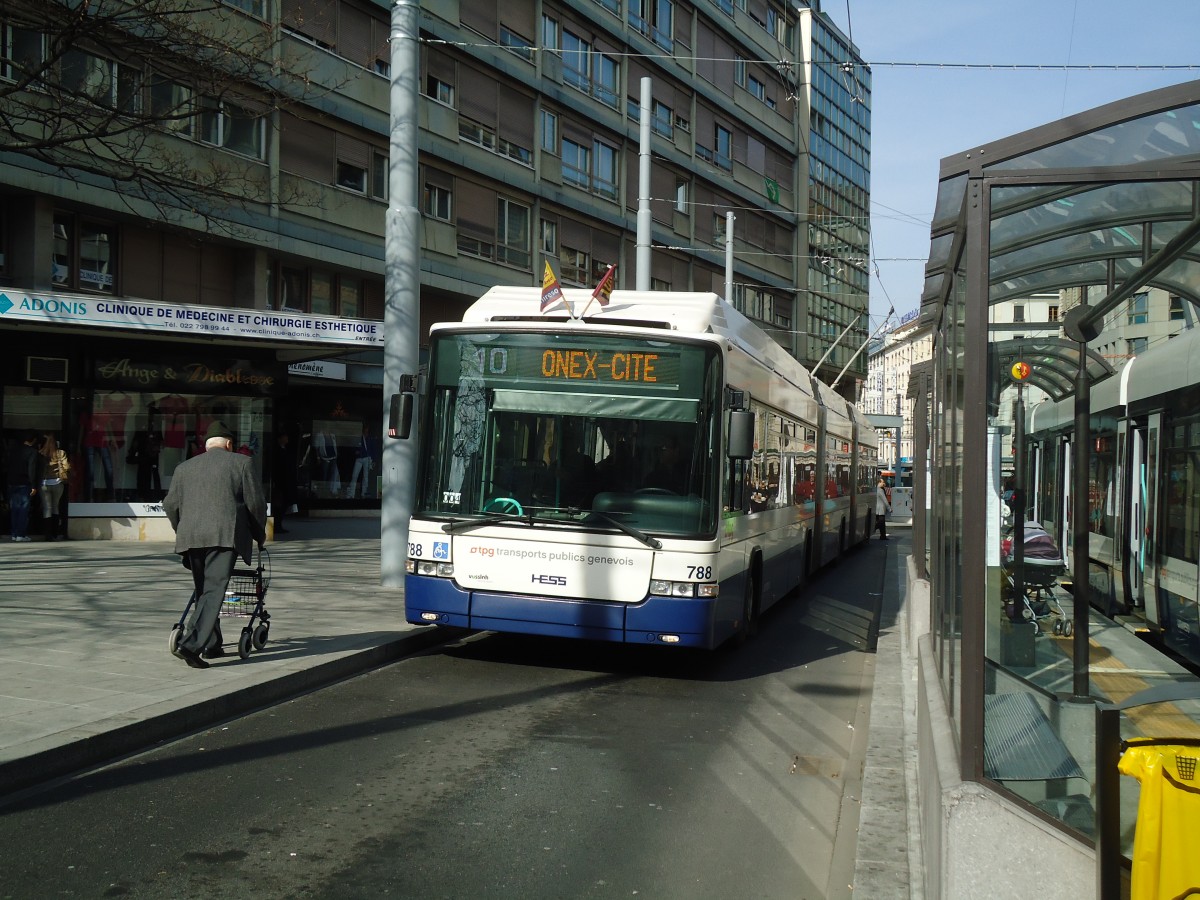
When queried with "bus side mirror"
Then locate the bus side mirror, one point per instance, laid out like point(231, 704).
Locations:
point(741, 434)
point(400, 414)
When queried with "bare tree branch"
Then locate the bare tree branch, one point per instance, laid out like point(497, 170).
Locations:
point(140, 94)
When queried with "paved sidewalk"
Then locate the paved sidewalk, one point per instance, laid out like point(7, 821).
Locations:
point(85, 673)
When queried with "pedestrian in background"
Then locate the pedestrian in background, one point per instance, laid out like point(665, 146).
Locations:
point(882, 507)
point(283, 479)
point(55, 471)
point(22, 471)
point(216, 506)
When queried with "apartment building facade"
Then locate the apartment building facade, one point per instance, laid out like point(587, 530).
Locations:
point(128, 324)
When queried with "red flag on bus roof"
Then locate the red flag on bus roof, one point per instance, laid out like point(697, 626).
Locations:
point(604, 289)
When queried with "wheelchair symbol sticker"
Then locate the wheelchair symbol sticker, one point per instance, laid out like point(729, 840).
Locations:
point(441, 550)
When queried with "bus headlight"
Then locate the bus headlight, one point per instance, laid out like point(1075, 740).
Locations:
point(663, 588)
point(428, 567)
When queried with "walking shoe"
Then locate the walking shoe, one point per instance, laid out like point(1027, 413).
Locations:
point(214, 652)
point(21, 539)
point(192, 658)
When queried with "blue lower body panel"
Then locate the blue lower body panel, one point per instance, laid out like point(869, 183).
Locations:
point(438, 601)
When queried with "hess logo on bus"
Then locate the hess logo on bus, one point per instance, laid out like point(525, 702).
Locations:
point(552, 580)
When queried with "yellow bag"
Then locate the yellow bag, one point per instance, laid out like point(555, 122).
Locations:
point(1165, 861)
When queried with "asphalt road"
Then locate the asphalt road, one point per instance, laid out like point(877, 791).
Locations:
point(497, 766)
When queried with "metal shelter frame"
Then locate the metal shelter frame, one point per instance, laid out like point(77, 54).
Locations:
point(1097, 207)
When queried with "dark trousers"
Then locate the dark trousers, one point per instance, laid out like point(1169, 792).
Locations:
point(211, 569)
point(881, 524)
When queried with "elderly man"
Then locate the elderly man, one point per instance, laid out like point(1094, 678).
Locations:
point(216, 506)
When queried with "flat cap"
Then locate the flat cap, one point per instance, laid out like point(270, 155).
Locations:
point(218, 429)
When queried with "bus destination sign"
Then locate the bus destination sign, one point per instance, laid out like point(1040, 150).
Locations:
point(576, 365)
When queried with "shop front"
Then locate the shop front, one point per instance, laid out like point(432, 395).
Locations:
point(129, 390)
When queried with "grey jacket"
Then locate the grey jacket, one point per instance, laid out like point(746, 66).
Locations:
point(216, 500)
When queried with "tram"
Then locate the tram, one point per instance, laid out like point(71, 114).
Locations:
point(1143, 489)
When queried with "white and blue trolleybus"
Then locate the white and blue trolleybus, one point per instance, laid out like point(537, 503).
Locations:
point(657, 470)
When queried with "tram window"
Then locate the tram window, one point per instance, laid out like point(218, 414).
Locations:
point(1101, 497)
point(1181, 501)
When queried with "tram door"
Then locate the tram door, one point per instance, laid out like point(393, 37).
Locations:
point(1144, 485)
point(1129, 553)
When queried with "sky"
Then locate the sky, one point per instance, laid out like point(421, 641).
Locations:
point(921, 114)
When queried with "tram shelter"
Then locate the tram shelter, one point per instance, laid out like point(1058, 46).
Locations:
point(1033, 424)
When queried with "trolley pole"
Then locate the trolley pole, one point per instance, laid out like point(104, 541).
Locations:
point(402, 288)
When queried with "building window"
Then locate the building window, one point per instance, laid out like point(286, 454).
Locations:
point(512, 233)
point(549, 237)
point(549, 131)
point(575, 52)
point(293, 289)
point(681, 195)
point(437, 203)
point(1135, 346)
point(655, 19)
point(658, 284)
point(594, 170)
point(718, 228)
point(254, 7)
point(351, 176)
point(516, 43)
point(576, 164)
point(84, 255)
point(756, 88)
point(723, 147)
point(593, 73)
point(350, 292)
point(549, 33)
point(576, 266)
point(321, 293)
point(1139, 309)
point(739, 70)
point(172, 105)
point(21, 51)
point(441, 91)
point(379, 175)
point(1052, 314)
point(231, 127)
point(1177, 314)
point(1018, 312)
point(604, 178)
point(663, 120)
point(100, 80)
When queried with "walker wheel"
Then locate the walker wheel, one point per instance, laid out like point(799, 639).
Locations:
point(1068, 628)
point(173, 640)
point(1058, 627)
point(244, 642)
point(260, 637)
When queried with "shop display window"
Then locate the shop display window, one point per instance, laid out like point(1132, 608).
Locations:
point(127, 444)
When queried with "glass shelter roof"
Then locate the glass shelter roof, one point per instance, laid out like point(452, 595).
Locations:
point(1086, 201)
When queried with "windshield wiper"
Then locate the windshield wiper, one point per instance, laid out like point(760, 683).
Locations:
point(460, 525)
point(652, 543)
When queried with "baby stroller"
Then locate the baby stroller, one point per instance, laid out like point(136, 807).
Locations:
point(1043, 564)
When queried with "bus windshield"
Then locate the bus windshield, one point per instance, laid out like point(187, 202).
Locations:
point(599, 431)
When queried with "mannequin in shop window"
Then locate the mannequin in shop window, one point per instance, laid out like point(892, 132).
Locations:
point(144, 452)
point(364, 462)
point(98, 441)
point(324, 444)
